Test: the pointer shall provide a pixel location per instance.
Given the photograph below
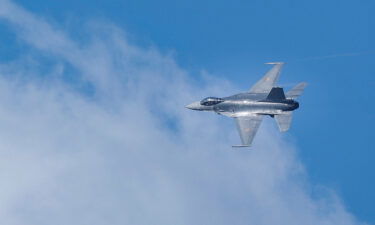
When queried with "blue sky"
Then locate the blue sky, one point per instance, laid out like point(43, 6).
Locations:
point(333, 129)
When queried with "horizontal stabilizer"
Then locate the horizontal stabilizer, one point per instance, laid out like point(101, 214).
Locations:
point(240, 146)
point(276, 94)
point(284, 121)
point(296, 91)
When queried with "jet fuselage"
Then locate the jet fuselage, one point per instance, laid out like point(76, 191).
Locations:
point(244, 104)
point(249, 108)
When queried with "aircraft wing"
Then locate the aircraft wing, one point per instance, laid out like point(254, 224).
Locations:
point(268, 81)
point(248, 126)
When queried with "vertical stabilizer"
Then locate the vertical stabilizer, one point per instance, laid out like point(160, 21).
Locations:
point(276, 94)
point(284, 121)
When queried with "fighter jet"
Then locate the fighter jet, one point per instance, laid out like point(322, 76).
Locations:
point(249, 108)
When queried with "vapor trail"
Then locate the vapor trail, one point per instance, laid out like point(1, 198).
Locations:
point(333, 56)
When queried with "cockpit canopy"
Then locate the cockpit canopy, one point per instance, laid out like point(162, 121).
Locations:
point(211, 101)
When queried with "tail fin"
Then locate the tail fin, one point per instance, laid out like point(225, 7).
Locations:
point(284, 121)
point(276, 94)
point(296, 91)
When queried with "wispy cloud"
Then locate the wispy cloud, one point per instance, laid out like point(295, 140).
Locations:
point(101, 137)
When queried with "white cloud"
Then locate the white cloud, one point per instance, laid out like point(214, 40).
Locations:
point(116, 145)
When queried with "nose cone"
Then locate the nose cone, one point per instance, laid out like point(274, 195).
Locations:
point(194, 106)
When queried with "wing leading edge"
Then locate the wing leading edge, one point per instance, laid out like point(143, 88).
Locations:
point(268, 81)
point(247, 127)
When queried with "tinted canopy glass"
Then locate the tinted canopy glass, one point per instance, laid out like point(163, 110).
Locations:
point(211, 101)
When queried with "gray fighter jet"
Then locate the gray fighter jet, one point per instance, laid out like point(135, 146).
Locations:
point(248, 108)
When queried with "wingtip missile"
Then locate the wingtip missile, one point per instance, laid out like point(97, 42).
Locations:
point(241, 146)
point(275, 63)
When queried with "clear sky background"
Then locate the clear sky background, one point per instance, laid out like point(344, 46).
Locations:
point(328, 44)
